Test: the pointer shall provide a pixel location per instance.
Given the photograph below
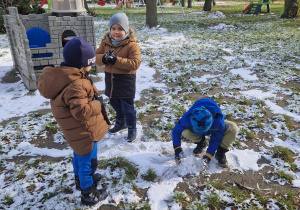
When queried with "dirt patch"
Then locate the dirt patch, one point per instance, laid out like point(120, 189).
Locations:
point(248, 180)
point(11, 77)
point(48, 143)
point(108, 207)
point(42, 112)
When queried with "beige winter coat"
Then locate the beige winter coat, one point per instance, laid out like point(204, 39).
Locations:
point(78, 115)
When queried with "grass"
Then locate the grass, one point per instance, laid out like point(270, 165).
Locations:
point(283, 153)
point(214, 201)
point(33, 164)
point(217, 185)
point(131, 170)
point(8, 200)
point(288, 122)
point(239, 195)
point(20, 174)
point(51, 127)
point(287, 201)
point(150, 175)
point(247, 133)
point(136, 206)
point(182, 198)
point(283, 175)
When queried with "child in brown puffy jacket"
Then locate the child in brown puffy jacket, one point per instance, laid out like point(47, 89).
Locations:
point(121, 56)
point(72, 96)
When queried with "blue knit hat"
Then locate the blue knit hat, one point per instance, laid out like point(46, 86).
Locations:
point(78, 53)
point(202, 120)
point(121, 19)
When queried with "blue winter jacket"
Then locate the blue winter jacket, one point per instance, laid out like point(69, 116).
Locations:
point(216, 131)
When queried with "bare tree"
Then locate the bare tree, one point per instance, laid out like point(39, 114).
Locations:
point(151, 13)
point(290, 9)
point(189, 3)
point(207, 5)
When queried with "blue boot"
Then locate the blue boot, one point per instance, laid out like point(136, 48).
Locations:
point(119, 126)
point(131, 132)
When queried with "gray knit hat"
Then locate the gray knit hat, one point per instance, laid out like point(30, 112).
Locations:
point(121, 19)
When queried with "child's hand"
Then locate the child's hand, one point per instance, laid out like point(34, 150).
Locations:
point(178, 154)
point(105, 55)
point(98, 98)
point(111, 59)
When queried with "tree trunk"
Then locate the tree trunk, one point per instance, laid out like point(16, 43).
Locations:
point(189, 3)
point(290, 9)
point(207, 5)
point(182, 3)
point(214, 2)
point(151, 13)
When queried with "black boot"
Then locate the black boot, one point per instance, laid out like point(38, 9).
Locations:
point(200, 146)
point(119, 126)
point(96, 179)
point(91, 196)
point(221, 157)
point(131, 132)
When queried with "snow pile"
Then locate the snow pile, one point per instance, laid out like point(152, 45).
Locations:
point(216, 14)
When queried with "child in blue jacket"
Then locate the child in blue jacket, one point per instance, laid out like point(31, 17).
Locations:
point(205, 118)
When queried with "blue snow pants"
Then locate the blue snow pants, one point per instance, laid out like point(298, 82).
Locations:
point(85, 167)
point(124, 107)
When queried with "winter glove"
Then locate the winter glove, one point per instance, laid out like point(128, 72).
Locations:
point(111, 59)
point(104, 58)
point(98, 98)
point(205, 163)
point(178, 154)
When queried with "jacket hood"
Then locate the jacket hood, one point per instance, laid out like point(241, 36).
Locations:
point(53, 80)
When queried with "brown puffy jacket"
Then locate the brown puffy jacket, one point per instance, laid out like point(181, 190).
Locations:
point(120, 78)
point(128, 55)
point(71, 97)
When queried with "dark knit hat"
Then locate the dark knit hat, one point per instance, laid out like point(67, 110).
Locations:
point(78, 53)
point(121, 19)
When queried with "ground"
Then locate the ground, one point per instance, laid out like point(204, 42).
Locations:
point(248, 64)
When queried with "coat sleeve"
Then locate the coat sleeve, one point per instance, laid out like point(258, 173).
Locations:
point(99, 54)
point(217, 133)
point(132, 62)
point(76, 97)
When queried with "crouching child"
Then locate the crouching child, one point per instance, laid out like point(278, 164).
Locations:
point(76, 106)
point(205, 118)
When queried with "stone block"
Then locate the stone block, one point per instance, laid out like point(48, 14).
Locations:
point(66, 18)
point(78, 23)
point(32, 16)
point(52, 62)
point(64, 23)
point(56, 23)
point(42, 50)
point(71, 23)
point(36, 63)
point(52, 18)
point(44, 62)
point(81, 17)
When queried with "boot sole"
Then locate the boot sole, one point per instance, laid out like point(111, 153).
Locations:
point(131, 140)
point(118, 131)
point(223, 165)
point(94, 203)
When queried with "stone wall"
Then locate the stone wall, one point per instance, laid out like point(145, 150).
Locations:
point(57, 27)
point(19, 46)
